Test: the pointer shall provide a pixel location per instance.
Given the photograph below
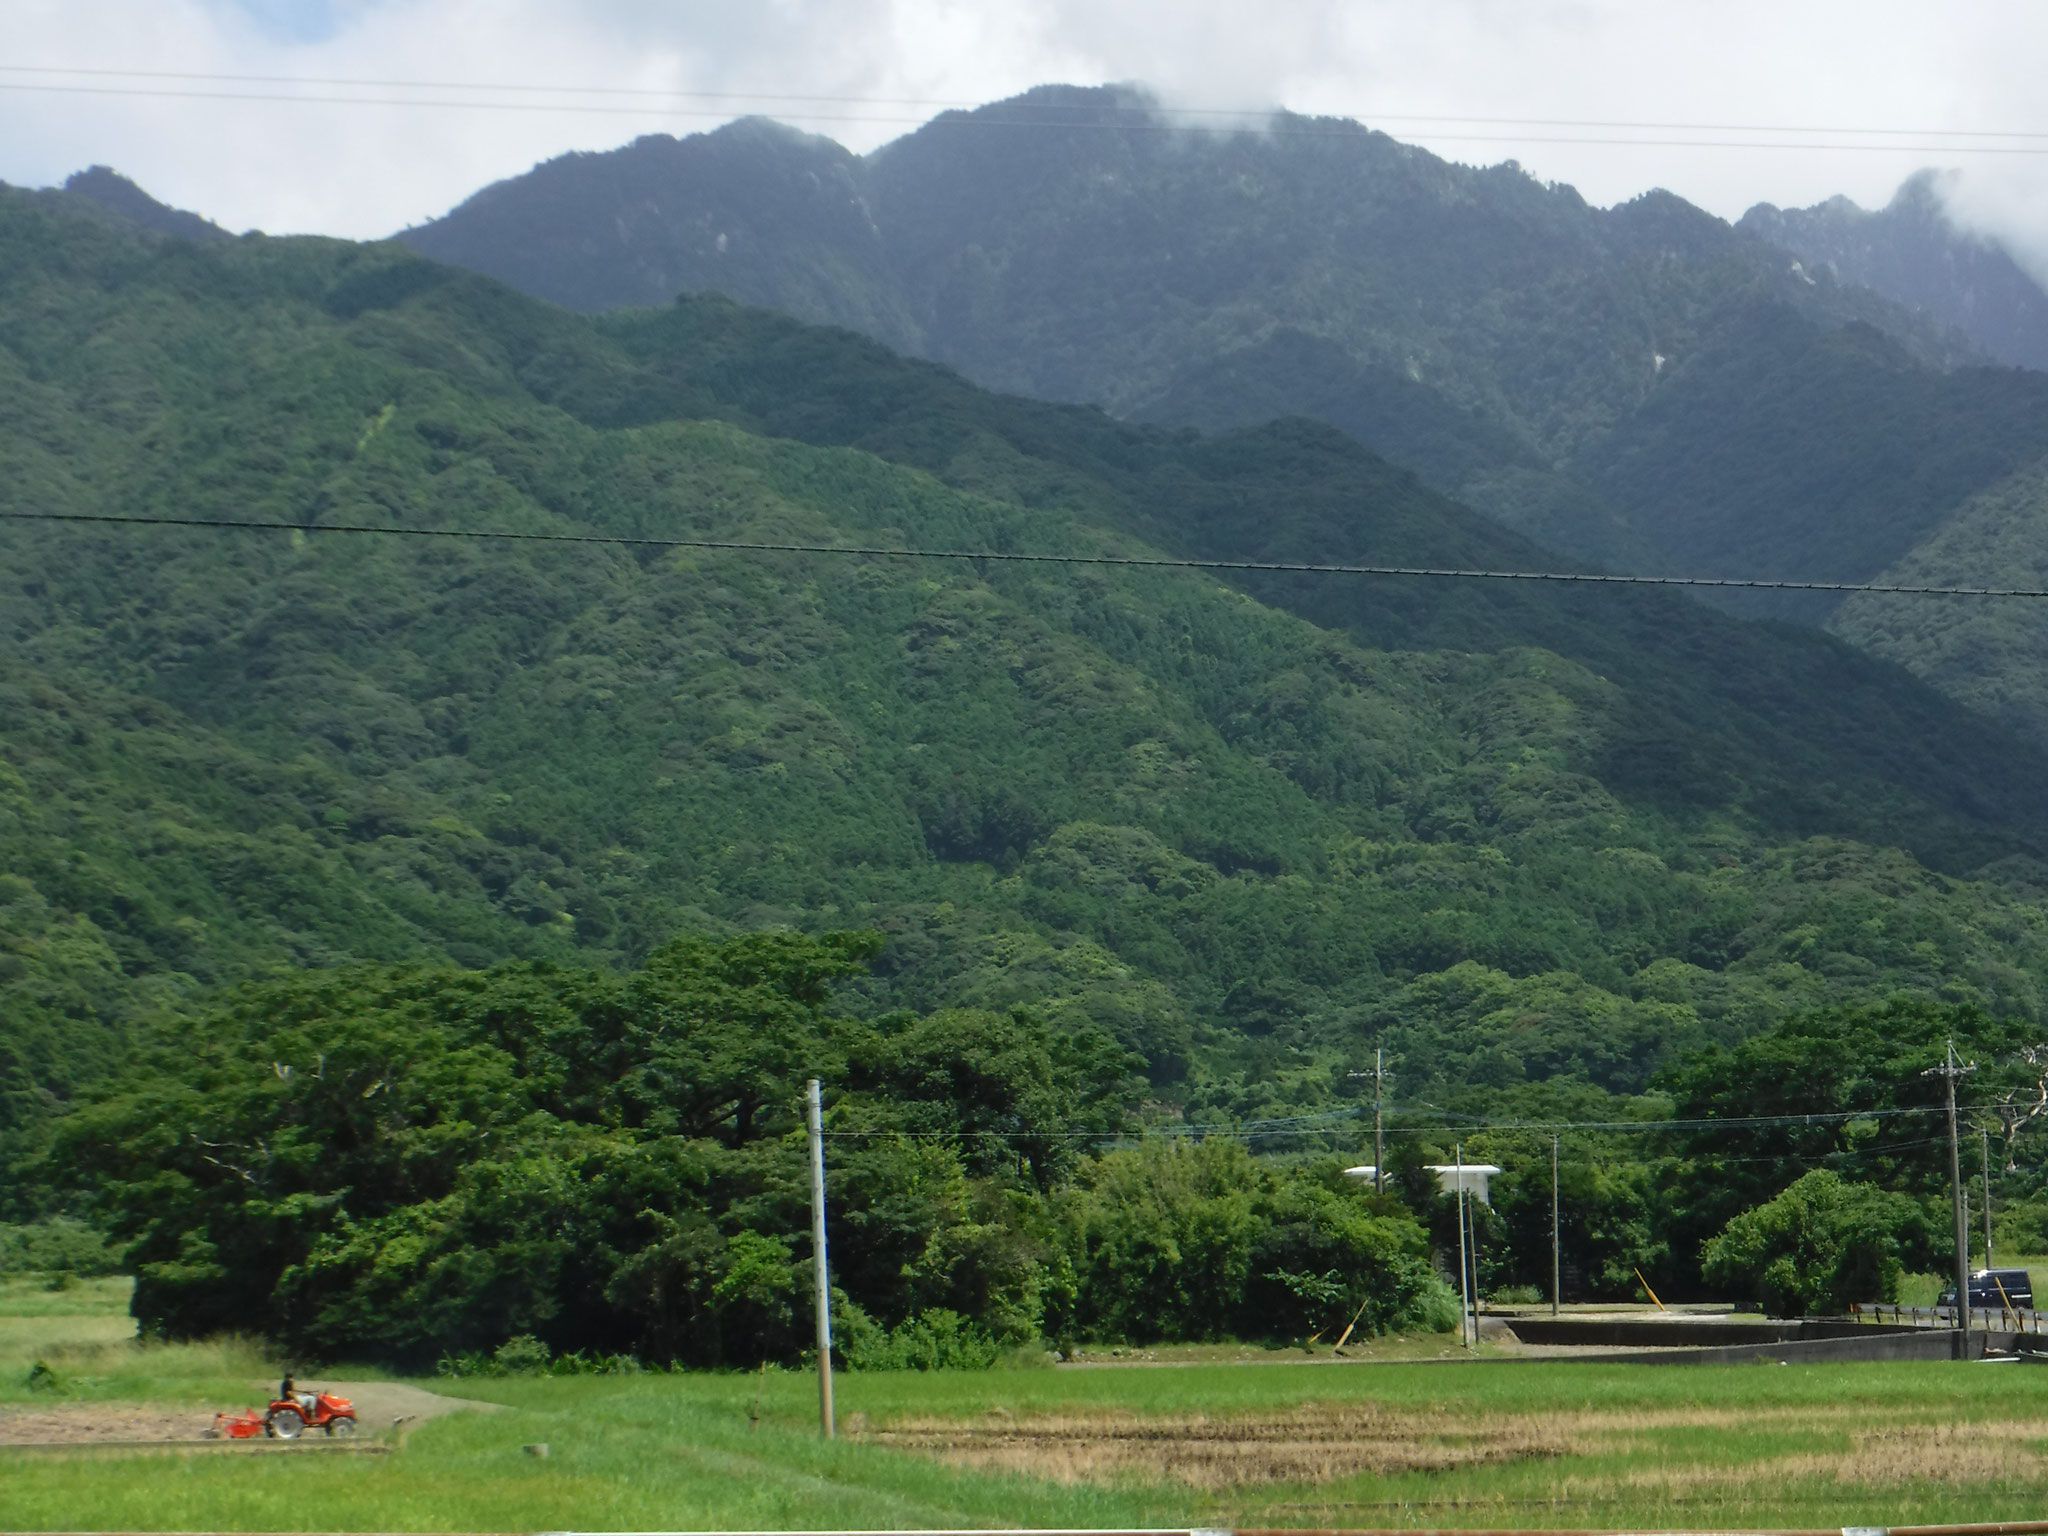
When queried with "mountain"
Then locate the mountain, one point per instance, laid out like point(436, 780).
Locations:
point(1993, 654)
point(1989, 655)
point(118, 195)
point(1643, 386)
point(1521, 835)
point(757, 211)
point(1912, 252)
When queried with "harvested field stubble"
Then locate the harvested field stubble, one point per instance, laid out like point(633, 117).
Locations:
point(1317, 1443)
point(1313, 1443)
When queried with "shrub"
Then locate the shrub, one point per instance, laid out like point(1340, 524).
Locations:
point(936, 1339)
point(1200, 1242)
point(1821, 1245)
point(59, 1246)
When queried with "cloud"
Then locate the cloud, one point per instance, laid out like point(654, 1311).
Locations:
point(367, 167)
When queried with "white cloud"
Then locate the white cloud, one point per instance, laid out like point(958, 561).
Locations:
point(366, 169)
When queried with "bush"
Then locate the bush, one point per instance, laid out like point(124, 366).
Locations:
point(1820, 1246)
point(59, 1246)
point(524, 1355)
point(2022, 1228)
point(1183, 1242)
point(936, 1339)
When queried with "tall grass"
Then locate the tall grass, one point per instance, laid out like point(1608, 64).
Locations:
point(84, 1335)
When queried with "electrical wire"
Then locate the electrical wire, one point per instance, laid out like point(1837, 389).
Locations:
point(1446, 1120)
point(1331, 1120)
point(1151, 110)
point(1148, 562)
point(987, 119)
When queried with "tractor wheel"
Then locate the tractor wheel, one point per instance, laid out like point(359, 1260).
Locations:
point(284, 1424)
point(342, 1426)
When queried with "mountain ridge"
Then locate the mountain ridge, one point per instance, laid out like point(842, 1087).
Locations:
point(1520, 838)
point(1912, 251)
point(1512, 344)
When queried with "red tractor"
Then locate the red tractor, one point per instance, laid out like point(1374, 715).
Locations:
point(292, 1415)
point(289, 1417)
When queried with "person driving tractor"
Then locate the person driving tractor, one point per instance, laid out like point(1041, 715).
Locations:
point(288, 1392)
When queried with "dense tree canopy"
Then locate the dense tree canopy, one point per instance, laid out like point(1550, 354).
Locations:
point(404, 1161)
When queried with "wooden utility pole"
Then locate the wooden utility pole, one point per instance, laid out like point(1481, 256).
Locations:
point(1948, 1072)
point(816, 1095)
point(1556, 1246)
point(1379, 1076)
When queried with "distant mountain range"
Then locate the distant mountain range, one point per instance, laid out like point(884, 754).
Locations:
point(1805, 396)
point(1912, 252)
point(1523, 835)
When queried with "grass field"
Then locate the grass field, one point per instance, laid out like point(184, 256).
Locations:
point(1489, 1443)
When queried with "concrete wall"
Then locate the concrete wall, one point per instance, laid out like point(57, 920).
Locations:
point(1833, 1340)
point(1657, 1332)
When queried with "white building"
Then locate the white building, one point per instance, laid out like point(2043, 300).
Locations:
point(1448, 1175)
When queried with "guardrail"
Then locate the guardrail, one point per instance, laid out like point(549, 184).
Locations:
point(1985, 1319)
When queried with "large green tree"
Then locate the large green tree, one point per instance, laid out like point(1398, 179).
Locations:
point(1844, 1090)
point(1823, 1245)
point(412, 1159)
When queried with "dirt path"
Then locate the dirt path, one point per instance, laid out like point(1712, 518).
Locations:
point(380, 1405)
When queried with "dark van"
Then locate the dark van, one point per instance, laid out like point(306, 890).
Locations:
point(1995, 1288)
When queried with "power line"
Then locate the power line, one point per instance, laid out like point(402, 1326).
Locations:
point(1151, 562)
point(1446, 1120)
point(1149, 109)
point(1333, 1120)
point(984, 119)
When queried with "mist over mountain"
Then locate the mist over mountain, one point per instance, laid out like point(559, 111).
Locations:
point(1913, 252)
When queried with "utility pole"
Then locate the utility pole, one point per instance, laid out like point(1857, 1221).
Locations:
point(1464, 1269)
point(1379, 1076)
point(1556, 1246)
point(1948, 1072)
point(1984, 1134)
point(824, 1298)
point(1379, 1142)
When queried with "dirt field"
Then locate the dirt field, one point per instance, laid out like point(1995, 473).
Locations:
point(1324, 1442)
point(379, 1405)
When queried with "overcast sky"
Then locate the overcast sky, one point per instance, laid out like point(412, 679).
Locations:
point(368, 168)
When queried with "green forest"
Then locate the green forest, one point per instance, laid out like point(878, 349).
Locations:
point(383, 920)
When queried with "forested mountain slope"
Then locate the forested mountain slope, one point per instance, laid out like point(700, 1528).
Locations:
point(1911, 251)
point(1515, 834)
point(1643, 385)
point(1991, 654)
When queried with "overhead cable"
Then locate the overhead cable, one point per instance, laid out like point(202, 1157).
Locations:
point(1296, 1125)
point(989, 119)
point(1154, 110)
point(1022, 557)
